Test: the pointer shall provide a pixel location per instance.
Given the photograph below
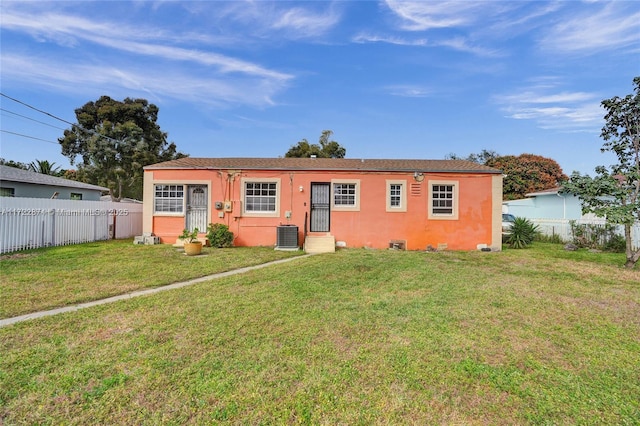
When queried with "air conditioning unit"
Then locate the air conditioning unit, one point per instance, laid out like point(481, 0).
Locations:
point(287, 237)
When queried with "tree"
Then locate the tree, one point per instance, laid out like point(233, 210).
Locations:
point(46, 168)
point(614, 192)
point(527, 173)
point(481, 158)
point(323, 149)
point(115, 140)
point(11, 163)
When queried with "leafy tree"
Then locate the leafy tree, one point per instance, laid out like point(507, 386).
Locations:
point(323, 149)
point(70, 174)
point(11, 163)
point(527, 173)
point(46, 168)
point(481, 158)
point(614, 192)
point(115, 140)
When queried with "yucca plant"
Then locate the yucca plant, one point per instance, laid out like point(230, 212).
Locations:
point(522, 233)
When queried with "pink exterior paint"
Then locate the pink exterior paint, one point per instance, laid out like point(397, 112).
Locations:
point(371, 225)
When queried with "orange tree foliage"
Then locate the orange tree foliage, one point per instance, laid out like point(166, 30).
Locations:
point(527, 173)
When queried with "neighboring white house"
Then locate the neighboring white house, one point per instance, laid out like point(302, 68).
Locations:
point(553, 212)
point(16, 182)
point(547, 204)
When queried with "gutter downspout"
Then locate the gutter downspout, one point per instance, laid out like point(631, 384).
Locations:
point(564, 205)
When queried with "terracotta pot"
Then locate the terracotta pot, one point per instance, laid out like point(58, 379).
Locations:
point(193, 248)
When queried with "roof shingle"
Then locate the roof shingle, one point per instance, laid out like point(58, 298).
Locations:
point(13, 174)
point(328, 164)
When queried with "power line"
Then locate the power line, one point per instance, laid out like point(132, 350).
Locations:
point(92, 132)
point(36, 109)
point(27, 136)
point(32, 119)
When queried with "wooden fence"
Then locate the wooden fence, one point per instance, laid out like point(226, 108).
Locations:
point(27, 223)
point(562, 228)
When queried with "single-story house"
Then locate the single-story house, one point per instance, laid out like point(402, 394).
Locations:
point(406, 204)
point(16, 182)
point(547, 204)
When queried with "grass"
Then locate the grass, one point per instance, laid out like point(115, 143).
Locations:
point(59, 276)
point(536, 336)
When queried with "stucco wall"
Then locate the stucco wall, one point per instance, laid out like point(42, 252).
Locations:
point(371, 225)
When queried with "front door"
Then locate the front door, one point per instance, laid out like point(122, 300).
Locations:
point(320, 207)
point(197, 208)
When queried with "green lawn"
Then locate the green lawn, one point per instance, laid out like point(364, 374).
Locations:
point(537, 336)
point(53, 277)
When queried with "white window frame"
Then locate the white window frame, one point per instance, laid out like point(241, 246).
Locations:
point(455, 197)
point(252, 213)
point(403, 196)
point(356, 196)
point(182, 202)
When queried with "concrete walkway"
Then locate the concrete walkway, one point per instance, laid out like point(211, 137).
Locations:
point(8, 321)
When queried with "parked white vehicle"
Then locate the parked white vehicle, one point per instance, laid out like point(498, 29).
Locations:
point(507, 222)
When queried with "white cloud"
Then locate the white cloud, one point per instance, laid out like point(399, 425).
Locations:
point(304, 22)
point(421, 16)
point(612, 25)
point(462, 44)
point(456, 43)
point(552, 109)
point(409, 91)
point(212, 77)
point(371, 38)
point(174, 83)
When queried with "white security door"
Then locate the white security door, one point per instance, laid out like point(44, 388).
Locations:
point(197, 208)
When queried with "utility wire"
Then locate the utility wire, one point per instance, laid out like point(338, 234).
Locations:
point(92, 132)
point(32, 119)
point(36, 109)
point(27, 136)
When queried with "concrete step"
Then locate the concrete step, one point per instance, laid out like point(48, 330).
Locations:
point(320, 244)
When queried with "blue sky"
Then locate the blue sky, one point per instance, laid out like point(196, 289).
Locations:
point(391, 79)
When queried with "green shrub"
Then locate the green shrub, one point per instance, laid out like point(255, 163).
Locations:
point(219, 235)
point(616, 244)
point(553, 239)
point(522, 233)
point(596, 236)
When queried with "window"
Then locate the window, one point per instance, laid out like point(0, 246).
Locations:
point(345, 195)
point(76, 196)
point(443, 200)
point(396, 195)
point(260, 197)
point(169, 199)
point(7, 192)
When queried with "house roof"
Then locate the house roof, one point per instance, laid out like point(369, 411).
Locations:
point(328, 164)
point(551, 191)
point(13, 174)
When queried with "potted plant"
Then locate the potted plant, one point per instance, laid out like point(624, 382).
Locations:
point(192, 246)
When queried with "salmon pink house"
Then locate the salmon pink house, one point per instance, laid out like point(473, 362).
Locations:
point(321, 203)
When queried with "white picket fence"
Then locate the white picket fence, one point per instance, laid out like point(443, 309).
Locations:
point(562, 228)
point(27, 223)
